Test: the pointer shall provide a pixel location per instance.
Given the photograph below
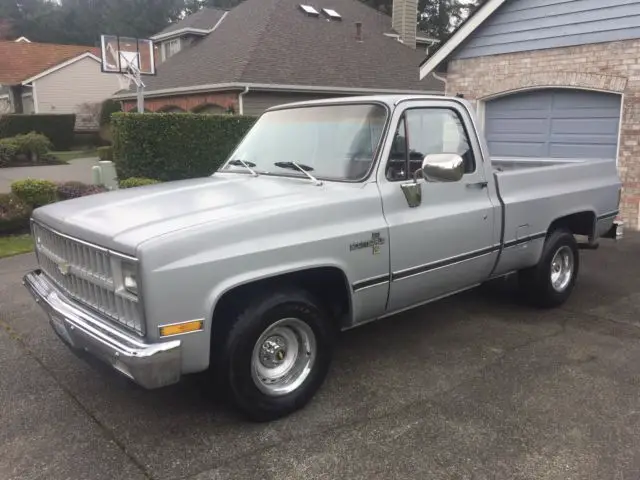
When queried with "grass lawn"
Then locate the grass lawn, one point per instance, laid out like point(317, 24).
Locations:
point(15, 244)
point(73, 154)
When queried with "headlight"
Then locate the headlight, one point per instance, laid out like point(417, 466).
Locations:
point(130, 278)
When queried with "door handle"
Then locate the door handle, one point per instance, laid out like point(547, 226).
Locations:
point(479, 185)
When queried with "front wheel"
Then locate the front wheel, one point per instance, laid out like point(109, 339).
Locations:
point(277, 354)
point(550, 283)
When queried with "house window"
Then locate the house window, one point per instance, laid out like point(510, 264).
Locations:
point(170, 48)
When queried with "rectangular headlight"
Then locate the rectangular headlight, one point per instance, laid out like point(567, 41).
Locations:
point(130, 278)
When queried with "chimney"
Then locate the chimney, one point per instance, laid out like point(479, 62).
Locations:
point(359, 32)
point(404, 20)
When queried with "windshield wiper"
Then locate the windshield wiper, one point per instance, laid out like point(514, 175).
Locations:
point(241, 163)
point(301, 167)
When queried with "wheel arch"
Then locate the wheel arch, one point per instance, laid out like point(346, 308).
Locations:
point(326, 281)
point(579, 222)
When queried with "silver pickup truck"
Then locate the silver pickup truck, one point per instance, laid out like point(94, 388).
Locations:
point(328, 215)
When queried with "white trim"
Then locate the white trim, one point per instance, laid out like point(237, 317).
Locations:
point(481, 104)
point(620, 128)
point(272, 87)
point(459, 36)
point(180, 32)
point(187, 30)
point(34, 91)
point(3, 97)
point(22, 39)
point(61, 65)
point(420, 40)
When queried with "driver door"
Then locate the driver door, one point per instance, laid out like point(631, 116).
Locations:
point(448, 241)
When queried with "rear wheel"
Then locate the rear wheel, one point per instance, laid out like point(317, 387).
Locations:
point(550, 283)
point(277, 353)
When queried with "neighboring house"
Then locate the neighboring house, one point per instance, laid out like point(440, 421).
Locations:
point(553, 78)
point(51, 78)
point(268, 52)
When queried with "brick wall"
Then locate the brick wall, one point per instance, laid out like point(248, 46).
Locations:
point(613, 66)
point(187, 102)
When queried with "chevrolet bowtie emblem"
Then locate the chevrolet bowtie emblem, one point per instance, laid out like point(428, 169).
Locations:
point(64, 268)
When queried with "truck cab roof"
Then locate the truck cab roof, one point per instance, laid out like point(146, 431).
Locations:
point(390, 100)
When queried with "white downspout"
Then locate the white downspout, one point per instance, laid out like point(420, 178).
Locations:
point(442, 79)
point(241, 100)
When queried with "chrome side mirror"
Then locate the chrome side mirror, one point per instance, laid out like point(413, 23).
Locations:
point(443, 167)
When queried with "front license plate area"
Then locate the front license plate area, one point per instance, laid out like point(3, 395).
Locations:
point(61, 329)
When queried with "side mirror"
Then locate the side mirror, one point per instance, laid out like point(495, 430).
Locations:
point(443, 167)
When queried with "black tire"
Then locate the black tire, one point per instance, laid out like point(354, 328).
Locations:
point(536, 284)
point(236, 365)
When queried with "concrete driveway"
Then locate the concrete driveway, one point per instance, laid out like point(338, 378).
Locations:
point(474, 387)
point(78, 170)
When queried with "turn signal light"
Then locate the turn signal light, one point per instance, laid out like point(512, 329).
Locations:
point(178, 328)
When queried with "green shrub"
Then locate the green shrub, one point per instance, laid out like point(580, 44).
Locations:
point(108, 108)
point(14, 214)
point(58, 128)
point(105, 153)
point(35, 193)
point(8, 152)
point(136, 182)
point(33, 145)
point(171, 146)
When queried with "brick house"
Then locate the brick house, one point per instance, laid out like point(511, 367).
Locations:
point(268, 52)
point(553, 78)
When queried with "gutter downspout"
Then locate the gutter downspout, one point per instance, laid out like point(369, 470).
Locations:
point(442, 79)
point(241, 100)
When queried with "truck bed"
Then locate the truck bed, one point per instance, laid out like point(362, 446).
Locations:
point(534, 192)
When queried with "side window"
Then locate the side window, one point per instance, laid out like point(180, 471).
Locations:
point(397, 165)
point(428, 131)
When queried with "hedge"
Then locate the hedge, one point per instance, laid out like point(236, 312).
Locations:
point(56, 127)
point(136, 182)
point(174, 146)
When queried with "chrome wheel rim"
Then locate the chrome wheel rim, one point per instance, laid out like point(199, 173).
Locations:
point(562, 269)
point(283, 357)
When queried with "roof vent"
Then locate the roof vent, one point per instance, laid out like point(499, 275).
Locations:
point(309, 10)
point(332, 14)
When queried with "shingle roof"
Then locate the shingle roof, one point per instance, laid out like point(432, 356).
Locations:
point(21, 60)
point(204, 19)
point(274, 42)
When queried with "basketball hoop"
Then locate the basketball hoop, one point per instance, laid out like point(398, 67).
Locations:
point(124, 82)
point(130, 59)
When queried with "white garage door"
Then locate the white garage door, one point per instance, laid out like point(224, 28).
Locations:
point(554, 123)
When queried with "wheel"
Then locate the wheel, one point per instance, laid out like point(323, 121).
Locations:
point(550, 283)
point(277, 354)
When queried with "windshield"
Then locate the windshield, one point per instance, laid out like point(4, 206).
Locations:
point(333, 142)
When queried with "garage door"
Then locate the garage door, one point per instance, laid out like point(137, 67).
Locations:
point(554, 123)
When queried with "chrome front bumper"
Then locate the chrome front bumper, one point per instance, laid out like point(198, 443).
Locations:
point(149, 365)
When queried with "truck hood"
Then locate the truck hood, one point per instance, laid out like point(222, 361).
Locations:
point(123, 219)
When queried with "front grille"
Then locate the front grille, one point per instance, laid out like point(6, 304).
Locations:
point(85, 273)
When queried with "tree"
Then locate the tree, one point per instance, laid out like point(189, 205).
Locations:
point(439, 17)
point(82, 21)
point(435, 17)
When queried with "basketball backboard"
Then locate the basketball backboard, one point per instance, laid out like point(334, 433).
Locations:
point(125, 55)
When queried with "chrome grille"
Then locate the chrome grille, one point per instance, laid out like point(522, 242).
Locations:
point(85, 273)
